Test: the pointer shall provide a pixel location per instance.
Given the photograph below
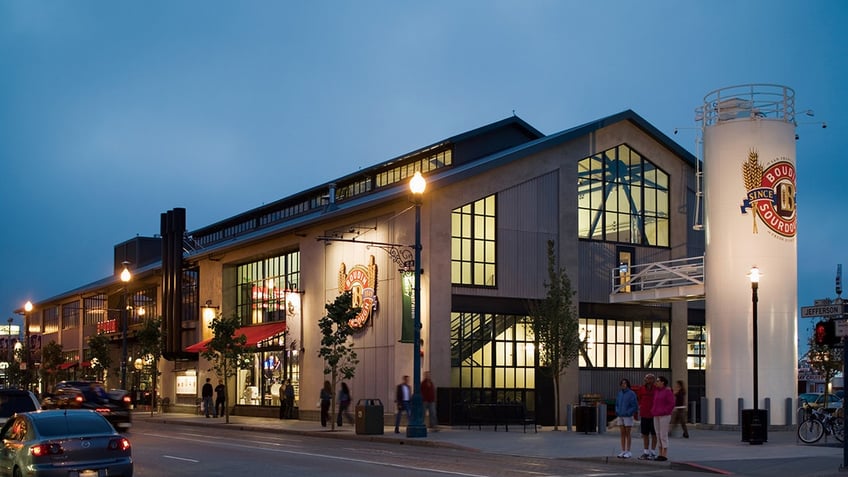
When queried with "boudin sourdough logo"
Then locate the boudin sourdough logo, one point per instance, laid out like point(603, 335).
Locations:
point(770, 194)
point(361, 281)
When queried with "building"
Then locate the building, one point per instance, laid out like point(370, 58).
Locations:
point(612, 194)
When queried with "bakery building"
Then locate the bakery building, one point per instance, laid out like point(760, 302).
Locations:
point(611, 194)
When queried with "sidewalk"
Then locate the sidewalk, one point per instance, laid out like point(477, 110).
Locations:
point(706, 449)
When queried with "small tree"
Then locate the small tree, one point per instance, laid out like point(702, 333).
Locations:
point(340, 359)
point(51, 358)
point(149, 338)
point(226, 351)
point(555, 325)
point(825, 360)
point(101, 358)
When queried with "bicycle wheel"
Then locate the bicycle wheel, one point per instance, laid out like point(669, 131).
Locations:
point(811, 430)
point(837, 426)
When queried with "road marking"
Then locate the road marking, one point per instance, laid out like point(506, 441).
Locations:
point(180, 458)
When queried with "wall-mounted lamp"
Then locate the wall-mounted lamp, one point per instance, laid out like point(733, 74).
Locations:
point(208, 312)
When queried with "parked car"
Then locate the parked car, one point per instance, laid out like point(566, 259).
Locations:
point(63, 442)
point(114, 405)
point(17, 400)
point(816, 400)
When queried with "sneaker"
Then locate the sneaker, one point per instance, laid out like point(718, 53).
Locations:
point(621, 455)
point(627, 455)
point(661, 458)
point(645, 456)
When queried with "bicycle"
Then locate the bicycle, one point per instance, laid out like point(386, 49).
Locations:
point(817, 422)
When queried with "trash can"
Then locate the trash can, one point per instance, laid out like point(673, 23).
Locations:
point(754, 426)
point(369, 416)
point(586, 419)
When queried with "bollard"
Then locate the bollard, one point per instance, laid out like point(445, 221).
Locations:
point(705, 410)
point(718, 411)
point(602, 418)
point(767, 407)
point(740, 404)
point(568, 414)
point(788, 412)
point(693, 411)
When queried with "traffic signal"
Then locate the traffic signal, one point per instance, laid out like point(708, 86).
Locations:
point(825, 333)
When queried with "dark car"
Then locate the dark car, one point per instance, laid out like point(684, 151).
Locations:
point(113, 405)
point(64, 443)
point(17, 400)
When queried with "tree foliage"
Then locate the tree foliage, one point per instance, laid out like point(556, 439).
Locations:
point(101, 356)
point(226, 350)
point(555, 324)
point(340, 359)
point(51, 358)
point(824, 360)
point(149, 339)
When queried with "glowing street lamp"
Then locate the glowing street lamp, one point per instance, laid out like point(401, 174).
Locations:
point(126, 276)
point(416, 427)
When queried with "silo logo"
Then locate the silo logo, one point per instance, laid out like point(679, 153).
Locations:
point(361, 281)
point(770, 194)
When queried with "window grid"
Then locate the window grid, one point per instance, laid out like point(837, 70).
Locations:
point(70, 315)
point(50, 320)
point(624, 344)
point(696, 347)
point(623, 197)
point(95, 309)
point(473, 243)
point(262, 287)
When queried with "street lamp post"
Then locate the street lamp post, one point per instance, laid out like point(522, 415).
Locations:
point(758, 420)
point(125, 277)
point(416, 427)
point(27, 348)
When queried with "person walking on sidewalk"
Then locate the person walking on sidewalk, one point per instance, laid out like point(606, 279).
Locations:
point(679, 415)
point(428, 395)
point(289, 399)
point(220, 398)
point(662, 408)
point(645, 393)
point(206, 394)
point(402, 397)
point(326, 398)
point(626, 406)
point(282, 396)
point(344, 406)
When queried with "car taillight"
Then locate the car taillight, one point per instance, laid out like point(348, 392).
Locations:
point(127, 400)
point(103, 410)
point(119, 444)
point(78, 399)
point(46, 449)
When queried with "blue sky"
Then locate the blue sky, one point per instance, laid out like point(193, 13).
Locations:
point(114, 112)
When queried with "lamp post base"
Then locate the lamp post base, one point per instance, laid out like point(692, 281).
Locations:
point(416, 430)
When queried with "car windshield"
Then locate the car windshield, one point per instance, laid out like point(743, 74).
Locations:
point(14, 403)
point(72, 423)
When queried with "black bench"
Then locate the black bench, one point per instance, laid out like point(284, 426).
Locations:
point(500, 414)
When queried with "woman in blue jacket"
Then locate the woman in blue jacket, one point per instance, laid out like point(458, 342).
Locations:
point(626, 406)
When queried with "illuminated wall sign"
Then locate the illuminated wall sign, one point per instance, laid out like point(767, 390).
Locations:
point(770, 193)
point(361, 281)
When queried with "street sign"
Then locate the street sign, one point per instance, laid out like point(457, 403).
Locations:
point(841, 328)
point(822, 310)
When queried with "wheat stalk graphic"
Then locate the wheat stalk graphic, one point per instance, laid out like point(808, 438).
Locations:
point(752, 174)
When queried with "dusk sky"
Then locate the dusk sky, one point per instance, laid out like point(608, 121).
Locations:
point(113, 112)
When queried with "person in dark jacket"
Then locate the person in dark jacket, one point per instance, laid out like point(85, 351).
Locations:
point(428, 395)
point(344, 406)
point(206, 393)
point(220, 398)
point(402, 397)
point(326, 400)
point(626, 406)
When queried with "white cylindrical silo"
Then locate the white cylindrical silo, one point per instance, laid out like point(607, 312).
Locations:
point(750, 221)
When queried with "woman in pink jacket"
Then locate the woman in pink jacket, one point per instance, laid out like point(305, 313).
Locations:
point(662, 409)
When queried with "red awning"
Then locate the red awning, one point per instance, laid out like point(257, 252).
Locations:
point(85, 364)
point(64, 366)
point(253, 333)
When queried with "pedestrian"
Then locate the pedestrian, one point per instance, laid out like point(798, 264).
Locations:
point(626, 406)
point(326, 399)
point(428, 395)
point(344, 406)
point(679, 415)
point(282, 396)
point(645, 393)
point(662, 408)
point(402, 396)
point(206, 395)
point(220, 398)
point(289, 399)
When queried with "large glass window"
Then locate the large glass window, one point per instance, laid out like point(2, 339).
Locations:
point(696, 347)
point(493, 357)
point(70, 315)
point(624, 344)
point(262, 287)
point(622, 197)
point(473, 243)
point(51, 319)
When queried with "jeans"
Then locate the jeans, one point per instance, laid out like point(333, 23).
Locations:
point(430, 408)
point(402, 408)
point(207, 405)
